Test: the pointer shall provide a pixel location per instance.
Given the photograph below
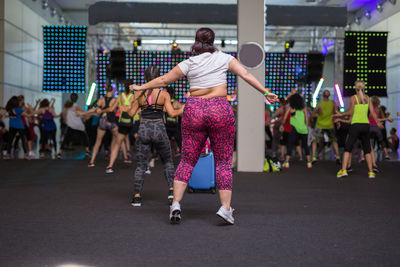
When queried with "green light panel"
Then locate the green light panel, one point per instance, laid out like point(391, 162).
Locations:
point(365, 59)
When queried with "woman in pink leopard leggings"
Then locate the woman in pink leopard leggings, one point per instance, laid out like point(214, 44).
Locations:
point(207, 113)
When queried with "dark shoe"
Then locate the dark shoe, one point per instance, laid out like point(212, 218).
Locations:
point(170, 196)
point(137, 202)
point(375, 169)
point(350, 169)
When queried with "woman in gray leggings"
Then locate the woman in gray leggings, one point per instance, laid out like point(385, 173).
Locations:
point(152, 131)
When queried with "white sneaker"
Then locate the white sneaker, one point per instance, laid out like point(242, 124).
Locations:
point(175, 213)
point(147, 171)
point(226, 215)
point(31, 154)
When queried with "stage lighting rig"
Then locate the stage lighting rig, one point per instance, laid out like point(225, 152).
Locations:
point(289, 44)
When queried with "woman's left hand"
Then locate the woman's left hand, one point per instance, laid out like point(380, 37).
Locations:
point(272, 98)
point(135, 87)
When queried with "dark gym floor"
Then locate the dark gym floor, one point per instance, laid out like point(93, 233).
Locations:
point(57, 212)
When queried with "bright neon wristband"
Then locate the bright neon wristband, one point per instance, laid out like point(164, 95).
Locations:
point(267, 93)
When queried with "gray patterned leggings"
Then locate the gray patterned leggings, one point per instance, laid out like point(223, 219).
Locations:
point(152, 132)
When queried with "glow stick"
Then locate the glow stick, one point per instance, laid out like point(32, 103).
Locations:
point(339, 95)
point(314, 97)
point(91, 94)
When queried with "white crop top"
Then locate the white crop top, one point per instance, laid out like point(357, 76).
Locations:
point(206, 70)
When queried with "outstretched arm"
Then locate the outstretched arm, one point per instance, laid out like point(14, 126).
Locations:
point(236, 68)
point(132, 110)
point(162, 81)
point(168, 106)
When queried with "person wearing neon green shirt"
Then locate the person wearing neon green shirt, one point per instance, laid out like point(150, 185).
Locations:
point(299, 121)
point(125, 123)
point(359, 129)
point(325, 109)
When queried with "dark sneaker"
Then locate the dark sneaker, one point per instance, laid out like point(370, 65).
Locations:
point(109, 170)
point(175, 213)
point(137, 202)
point(350, 169)
point(128, 161)
point(375, 169)
point(59, 156)
point(170, 196)
point(91, 164)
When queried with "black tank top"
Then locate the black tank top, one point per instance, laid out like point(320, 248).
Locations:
point(152, 111)
point(110, 115)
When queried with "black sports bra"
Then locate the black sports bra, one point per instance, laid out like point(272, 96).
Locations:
point(152, 111)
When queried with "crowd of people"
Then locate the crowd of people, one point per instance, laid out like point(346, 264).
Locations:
point(311, 131)
point(159, 126)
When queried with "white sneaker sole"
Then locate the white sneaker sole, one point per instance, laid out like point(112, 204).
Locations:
point(136, 204)
point(226, 220)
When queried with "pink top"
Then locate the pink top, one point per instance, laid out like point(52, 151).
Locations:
point(372, 122)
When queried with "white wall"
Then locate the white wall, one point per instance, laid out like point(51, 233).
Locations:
point(22, 53)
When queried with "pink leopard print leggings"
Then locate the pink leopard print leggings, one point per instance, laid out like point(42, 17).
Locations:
point(202, 118)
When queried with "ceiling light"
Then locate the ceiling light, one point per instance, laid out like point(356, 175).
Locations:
point(357, 20)
point(45, 4)
point(367, 14)
point(53, 12)
point(379, 7)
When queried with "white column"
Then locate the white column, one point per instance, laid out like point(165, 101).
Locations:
point(1, 51)
point(251, 107)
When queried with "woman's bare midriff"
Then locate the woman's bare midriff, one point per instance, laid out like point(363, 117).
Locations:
point(217, 91)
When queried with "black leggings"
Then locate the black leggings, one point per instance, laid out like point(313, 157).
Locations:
point(293, 138)
point(12, 133)
point(47, 136)
point(152, 133)
point(67, 137)
point(358, 131)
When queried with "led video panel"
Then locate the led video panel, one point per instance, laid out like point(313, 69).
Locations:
point(64, 58)
point(282, 71)
point(365, 59)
